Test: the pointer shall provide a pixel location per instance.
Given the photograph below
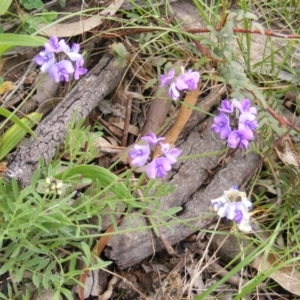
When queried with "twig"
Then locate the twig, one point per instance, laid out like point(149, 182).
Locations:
point(127, 120)
point(21, 81)
point(129, 31)
point(282, 120)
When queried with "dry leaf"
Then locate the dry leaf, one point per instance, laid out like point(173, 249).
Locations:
point(286, 154)
point(81, 26)
point(6, 87)
point(132, 128)
point(288, 277)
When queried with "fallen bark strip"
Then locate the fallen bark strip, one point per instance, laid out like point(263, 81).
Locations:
point(85, 96)
point(132, 247)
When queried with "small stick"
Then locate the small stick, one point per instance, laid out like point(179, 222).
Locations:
point(21, 81)
point(127, 120)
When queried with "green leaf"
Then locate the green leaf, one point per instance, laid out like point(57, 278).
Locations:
point(99, 175)
point(14, 134)
point(11, 39)
point(120, 53)
point(99, 265)
point(4, 5)
point(150, 83)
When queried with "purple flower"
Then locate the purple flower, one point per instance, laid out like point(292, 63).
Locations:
point(221, 125)
point(244, 106)
point(73, 53)
point(226, 107)
point(139, 155)
point(188, 81)
point(61, 71)
point(158, 167)
point(166, 80)
point(219, 205)
point(238, 212)
point(240, 138)
point(79, 71)
point(171, 154)
point(56, 46)
point(173, 92)
point(151, 139)
point(45, 60)
point(247, 120)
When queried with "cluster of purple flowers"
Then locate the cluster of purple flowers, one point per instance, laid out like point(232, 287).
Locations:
point(158, 167)
point(237, 211)
point(60, 71)
point(247, 123)
point(186, 81)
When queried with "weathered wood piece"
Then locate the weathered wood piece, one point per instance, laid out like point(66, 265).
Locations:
point(85, 96)
point(190, 180)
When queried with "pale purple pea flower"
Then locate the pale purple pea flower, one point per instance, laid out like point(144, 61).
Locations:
point(221, 125)
point(139, 155)
point(219, 205)
point(187, 81)
point(173, 92)
point(235, 194)
point(55, 45)
point(238, 212)
point(166, 79)
point(226, 107)
point(61, 71)
point(79, 71)
point(244, 106)
point(247, 120)
point(159, 167)
point(229, 206)
point(73, 53)
point(240, 138)
point(171, 154)
point(152, 139)
point(45, 60)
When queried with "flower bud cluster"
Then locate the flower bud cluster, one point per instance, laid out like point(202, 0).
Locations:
point(159, 166)
point(247, 123)
point(61, 70)
point(186, 81)
point(237, 211)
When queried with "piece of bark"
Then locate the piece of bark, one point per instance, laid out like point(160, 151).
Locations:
point(91, 89)
point(132, 247)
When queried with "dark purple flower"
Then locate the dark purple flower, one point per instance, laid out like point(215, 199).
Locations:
point(171, 154)
point(226, 107)
point(55, 45)
point(244, 106)
point(45, 60)
point(152, 139)
point(61, 71)
point(173, 92)
point(221, 125)
point(187, 81)
point(79, 71)
point(166, 80)
point(139, 155)
point(158, 167)
point(247, 120)
point(240, 138)
point(73, 53)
